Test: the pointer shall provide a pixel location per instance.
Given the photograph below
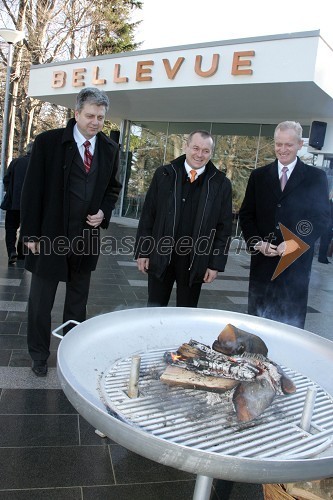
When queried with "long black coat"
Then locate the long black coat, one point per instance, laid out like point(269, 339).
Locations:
point(45, 199)
point(160, 218)
point(303, 208)
point(13, 182)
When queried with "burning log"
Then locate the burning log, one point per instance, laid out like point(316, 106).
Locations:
point(190, 380)
point(202, 359)
point(256, 380)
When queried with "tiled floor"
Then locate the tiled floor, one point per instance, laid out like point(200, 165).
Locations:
point(47, 450)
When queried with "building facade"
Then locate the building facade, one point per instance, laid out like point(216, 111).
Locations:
point(236, 89)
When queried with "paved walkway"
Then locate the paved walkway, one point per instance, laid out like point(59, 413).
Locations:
point(47, 450)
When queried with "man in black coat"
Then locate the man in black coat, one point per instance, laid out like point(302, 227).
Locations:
point(293, 194)
point(185, 226)
point(326, 237)
point(70, 190)
point(13, 182)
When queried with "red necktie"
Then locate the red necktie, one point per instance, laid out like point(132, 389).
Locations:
point(193, 174)
point(87, 156)
point(284, 178)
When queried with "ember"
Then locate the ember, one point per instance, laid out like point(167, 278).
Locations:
point(257, 379)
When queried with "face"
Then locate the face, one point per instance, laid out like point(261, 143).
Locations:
point(90, 119)
point(286, 146)
point(198, 151)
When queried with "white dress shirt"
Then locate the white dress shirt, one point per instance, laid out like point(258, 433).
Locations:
point(290, 167)
point(199, 170)
point(80, 140)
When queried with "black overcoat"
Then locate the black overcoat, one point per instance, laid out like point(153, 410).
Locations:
point(160, 217)
point(303, 208)
point(45, 200)
point(13, 182)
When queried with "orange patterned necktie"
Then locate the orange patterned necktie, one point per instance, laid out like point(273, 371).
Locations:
point(87, 156)
point(193, 174)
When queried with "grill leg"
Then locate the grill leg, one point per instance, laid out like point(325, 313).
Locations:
point(203, 488)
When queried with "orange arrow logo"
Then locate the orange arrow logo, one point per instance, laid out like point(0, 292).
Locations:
point(295, 247)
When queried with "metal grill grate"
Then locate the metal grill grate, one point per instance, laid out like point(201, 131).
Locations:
point(206, 420)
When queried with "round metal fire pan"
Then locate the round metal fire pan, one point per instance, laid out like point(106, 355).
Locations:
point(90, 348)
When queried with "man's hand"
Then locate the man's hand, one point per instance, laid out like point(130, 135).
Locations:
point(287, 247)
point(143, 264)
point(95, 220)
point(210, 275)
point(267, 249)
point(34, 246)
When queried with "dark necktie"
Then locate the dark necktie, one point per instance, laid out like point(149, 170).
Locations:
point(284, 178)
point(87, 156)
point(193, 174)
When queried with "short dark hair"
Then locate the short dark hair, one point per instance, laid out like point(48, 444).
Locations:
point(203, 133)
point(91, 95)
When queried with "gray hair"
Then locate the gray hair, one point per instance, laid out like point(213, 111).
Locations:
point(204, 134)
point(290, 125)
point(91, 95)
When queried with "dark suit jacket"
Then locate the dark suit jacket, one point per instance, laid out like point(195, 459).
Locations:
point(303, 208)
point(45, 198)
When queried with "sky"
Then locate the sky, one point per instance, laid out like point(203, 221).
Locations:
point(166, 23)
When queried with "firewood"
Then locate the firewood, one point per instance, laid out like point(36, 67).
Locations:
point(233, 340)
point(173, 375)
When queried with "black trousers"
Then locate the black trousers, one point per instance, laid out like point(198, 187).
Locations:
point(12, 224)
point(40, 304)
point(159, 291)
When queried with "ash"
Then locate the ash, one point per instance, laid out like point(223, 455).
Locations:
point(214, 398)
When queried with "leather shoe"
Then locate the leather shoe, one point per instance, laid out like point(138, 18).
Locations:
point(39, 368)
point(12, 258)
point(324, 261)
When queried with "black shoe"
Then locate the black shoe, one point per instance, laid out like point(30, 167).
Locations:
point(39, 368)
point(12, 258)
point(324, 261)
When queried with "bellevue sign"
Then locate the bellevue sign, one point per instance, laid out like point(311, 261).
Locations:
point(143, 72)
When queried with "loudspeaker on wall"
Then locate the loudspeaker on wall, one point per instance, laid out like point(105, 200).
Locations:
point(317, 134)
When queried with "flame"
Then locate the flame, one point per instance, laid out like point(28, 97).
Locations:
point(175, 357)
point(172, 357)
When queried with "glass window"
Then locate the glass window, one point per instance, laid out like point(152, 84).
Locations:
point(235, 153)
point(146, 153)
point(239, 148)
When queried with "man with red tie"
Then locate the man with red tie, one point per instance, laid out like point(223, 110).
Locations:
point(293, 194)
point(70, 190)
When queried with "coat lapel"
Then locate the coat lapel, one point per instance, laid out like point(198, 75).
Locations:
point(294, 180)
point(103, 152)
point(296, 177)
point(272, 179)
point(207, 196)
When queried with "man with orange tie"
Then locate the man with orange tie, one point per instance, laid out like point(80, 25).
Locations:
point(70, 190)
point(293, 194)
point(185, 226)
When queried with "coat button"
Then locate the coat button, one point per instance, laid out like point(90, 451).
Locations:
point(277, 227)
point(183, 199)
point(279, 205)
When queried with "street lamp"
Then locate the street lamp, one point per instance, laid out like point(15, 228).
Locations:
point(11, 37)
